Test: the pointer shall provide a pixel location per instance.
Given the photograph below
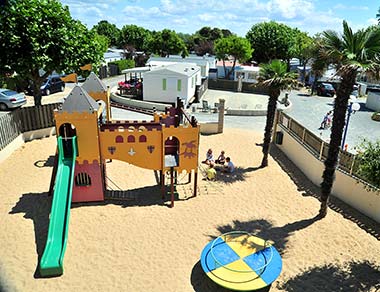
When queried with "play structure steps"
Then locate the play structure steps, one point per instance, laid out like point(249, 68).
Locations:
point(51, 263)
point(119, 195)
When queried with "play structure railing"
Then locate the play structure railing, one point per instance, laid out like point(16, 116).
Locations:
point(348, 162)
point(25, 119)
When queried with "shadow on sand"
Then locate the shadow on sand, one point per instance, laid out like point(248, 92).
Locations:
point(307, 188)
point(352, 277)
point(261, 228)
point(240, 174)
point(37, 207)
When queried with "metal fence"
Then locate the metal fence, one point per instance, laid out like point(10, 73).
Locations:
point(201, 89)
point(25, 119)
point(348, 162)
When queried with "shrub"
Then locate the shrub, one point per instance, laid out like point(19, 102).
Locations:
point(369, 167)
point(376, 116)
point(123, 64)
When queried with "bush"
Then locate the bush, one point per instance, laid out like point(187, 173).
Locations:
point(369, 167)
point(376, 116)
point(123, 64)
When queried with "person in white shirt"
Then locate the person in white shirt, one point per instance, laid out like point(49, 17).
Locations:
point(209, 158)
point(230, 167)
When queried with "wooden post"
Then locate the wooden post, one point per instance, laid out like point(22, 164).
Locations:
point(172, 187)
point(162, 184)
point(195, 183)
point(189, 181)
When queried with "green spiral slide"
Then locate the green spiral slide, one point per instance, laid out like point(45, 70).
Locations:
point(51, 263)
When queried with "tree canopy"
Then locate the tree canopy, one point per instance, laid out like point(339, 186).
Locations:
point(271, 40)
point(204, 39)
point(167, 42)
point(237, 47)
point(108, 30)
point(40, 34)
point(135, 36)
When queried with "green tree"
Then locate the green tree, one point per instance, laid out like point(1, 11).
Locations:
point(349, 52)
point(271, 40)
point(108, 30)
point(274, 77)
point(369, 157)
point(40, 34)
point(167, 42)
point(204, 39)
point(237, 47)
point(378, 16)
point(136, 37)
point(302, 48)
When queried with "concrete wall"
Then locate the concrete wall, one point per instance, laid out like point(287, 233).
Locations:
point(22, 138)
point(209, 128)
point(345, 187)
point(373, 101)
point(139, 103)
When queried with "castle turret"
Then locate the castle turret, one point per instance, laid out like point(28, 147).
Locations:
point(79, 117)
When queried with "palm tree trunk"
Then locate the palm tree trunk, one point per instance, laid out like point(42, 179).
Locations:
point(339, 119)
point(271, 111)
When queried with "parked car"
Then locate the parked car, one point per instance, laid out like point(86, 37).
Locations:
point(11, 99)
point(52, 84)
point(325, 89)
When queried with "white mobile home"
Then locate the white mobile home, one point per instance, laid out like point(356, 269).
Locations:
point(165, 84)
point(201, 62)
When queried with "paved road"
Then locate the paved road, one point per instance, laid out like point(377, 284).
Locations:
point(310, 110)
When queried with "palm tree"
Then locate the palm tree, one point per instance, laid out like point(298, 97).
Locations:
point(349, 52)
point(275, 77)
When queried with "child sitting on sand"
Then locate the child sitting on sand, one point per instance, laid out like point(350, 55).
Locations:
point(211, 173)
point(209, 158)
point(230, 167)
point(221, 159)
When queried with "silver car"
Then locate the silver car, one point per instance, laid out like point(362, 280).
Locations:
point(11, 99)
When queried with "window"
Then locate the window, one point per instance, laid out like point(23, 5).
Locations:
point(142, 139)
point(131, 139)
point(164, 84)
point(119, 139)
point(82, 179)
point(179, 84)
point(252, 75)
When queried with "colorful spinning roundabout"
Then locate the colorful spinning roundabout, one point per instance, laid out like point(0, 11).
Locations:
point(240, 261)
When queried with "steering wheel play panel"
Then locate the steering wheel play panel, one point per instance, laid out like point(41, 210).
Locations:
point(240, 261)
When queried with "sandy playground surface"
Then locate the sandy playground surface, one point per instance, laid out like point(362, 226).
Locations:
point(142, 245)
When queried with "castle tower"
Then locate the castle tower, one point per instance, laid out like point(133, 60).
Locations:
point(79, 116)
point(100, 93)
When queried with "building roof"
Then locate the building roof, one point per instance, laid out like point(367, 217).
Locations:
point(247, 69)
point(94, 84)
point(186, 69)
point(136, 70)
point(78, 100)
point(109, 55)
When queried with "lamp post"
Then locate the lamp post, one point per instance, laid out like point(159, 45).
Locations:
point(352, 107)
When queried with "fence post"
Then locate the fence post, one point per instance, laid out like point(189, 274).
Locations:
point(303, 135)
point(321, 151)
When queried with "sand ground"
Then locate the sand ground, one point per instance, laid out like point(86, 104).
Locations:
point(142, 245)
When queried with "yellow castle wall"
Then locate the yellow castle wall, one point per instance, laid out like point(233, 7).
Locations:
point(105, 96)
point(136, 153)
point(189, 145)
point(86, 126)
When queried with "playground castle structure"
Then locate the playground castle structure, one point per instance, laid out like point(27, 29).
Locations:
point(87, 138)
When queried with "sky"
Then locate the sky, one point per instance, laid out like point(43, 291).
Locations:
point(238, 16)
